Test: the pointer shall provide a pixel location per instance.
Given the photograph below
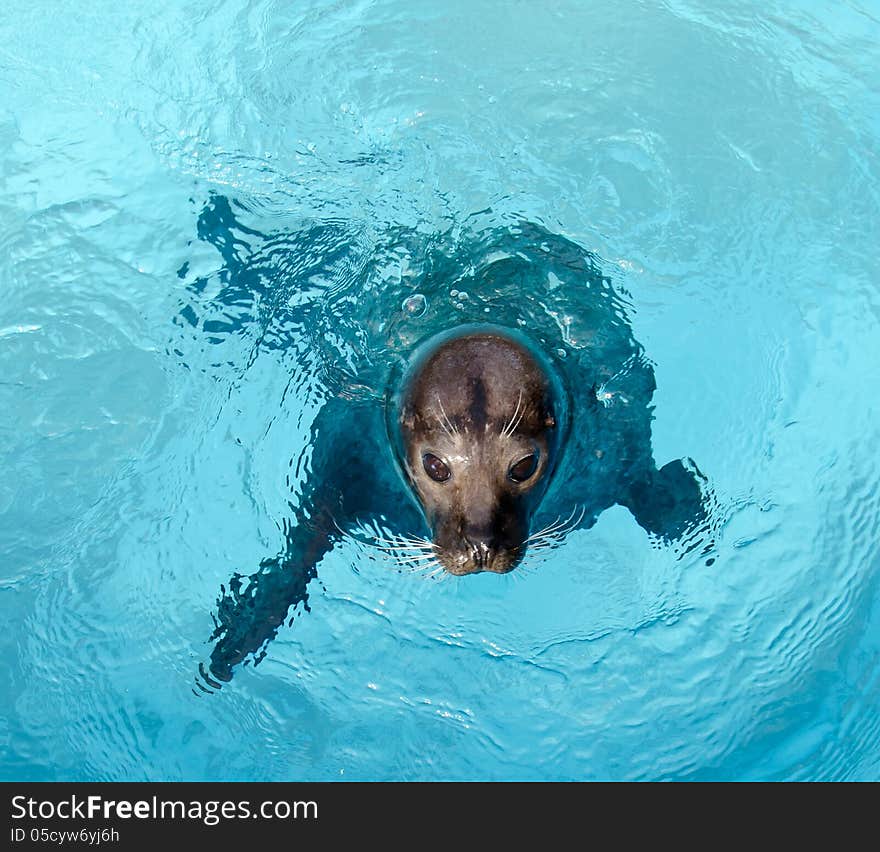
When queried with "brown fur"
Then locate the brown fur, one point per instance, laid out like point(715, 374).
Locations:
point(480, 402)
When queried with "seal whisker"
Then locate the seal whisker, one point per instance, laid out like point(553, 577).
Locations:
point(571, 523)
point(335, 524)
point(401, 552)
point(405, 542)
point(558, 527)
point(451, 431)
point(544, 538)
point(405, 551)
point(518, 421)
point(396, 548)
point(515, 412)
point(554, 535)
point(416, 538)
point(542, 532)
point(426, 543)
point(444, 428)
point(576, 522)
point(392, 548)
point(510, 425)
point(427, 570)
point(422, 557)
point(546, 545)
point(549, 545)
point(402, 555)
point(560, 522)
point(413, 567)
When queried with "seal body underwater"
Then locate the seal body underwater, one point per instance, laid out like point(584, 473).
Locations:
point(489, 441)
point(477, 426)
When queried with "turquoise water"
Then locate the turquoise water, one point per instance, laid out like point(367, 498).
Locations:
point(211, 220)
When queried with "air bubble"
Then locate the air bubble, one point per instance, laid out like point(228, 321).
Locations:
point(415, 305)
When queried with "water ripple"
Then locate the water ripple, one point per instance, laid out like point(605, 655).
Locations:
point(209, 224)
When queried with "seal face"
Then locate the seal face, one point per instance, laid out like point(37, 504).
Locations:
point(478, 423)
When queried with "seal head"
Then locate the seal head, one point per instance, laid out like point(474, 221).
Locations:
point(477, 425)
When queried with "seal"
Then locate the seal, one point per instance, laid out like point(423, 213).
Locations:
point(477, 425)
point(488, 443)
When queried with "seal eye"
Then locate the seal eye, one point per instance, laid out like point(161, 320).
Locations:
point(437, 469)
point(523, 469)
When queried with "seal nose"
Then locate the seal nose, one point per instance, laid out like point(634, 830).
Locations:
point(482, 554)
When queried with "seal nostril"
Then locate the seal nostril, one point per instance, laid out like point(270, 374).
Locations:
point(480, 553)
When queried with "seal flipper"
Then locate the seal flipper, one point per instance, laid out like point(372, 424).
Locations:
point(248, 619)
point(669, 502)
point(351, 477)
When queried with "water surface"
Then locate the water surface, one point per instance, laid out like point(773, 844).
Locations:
point(719, 159)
